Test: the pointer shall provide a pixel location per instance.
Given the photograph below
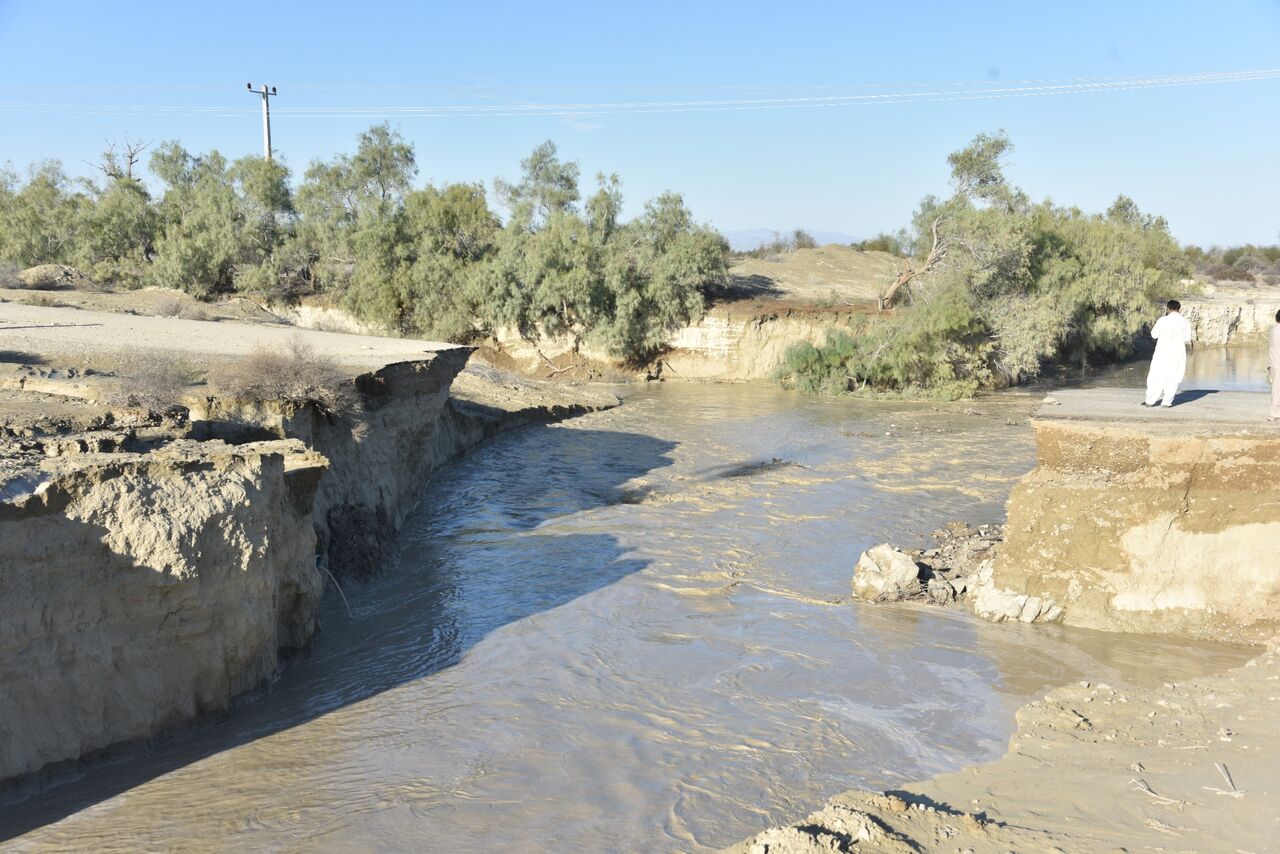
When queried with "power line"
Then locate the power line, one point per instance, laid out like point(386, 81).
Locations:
point(932, 93)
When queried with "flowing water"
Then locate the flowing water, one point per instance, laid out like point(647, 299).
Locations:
point(626, 632)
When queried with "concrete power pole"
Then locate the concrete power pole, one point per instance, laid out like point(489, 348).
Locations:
point(266, 92)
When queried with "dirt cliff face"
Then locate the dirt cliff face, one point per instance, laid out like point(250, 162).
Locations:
point(1232, 318)
point(141, 590)
point(1146, 528)
point(379, 456)
point(741, 343)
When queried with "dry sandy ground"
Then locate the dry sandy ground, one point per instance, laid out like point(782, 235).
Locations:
point(1186, 767)
point(150, 301)
point(81, 336)
point(831, 274)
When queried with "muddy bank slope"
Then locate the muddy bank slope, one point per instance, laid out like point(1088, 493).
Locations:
point(152, 569)
point(1185, 767)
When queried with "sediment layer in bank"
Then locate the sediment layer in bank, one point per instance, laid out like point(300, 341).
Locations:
point(1146, 520)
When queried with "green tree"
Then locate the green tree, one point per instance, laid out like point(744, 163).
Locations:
point(201, 243)
point(39, 220)
point(349, 211)
point(547, 187)
point(118, 229)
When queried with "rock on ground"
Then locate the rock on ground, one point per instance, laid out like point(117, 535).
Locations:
point(884, 573)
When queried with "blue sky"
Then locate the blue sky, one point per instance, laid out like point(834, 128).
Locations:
point(75, 74)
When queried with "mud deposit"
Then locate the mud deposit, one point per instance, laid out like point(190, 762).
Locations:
point(626, 632)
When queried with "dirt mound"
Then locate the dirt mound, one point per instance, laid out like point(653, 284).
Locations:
point(55, 277)
point(831, 274)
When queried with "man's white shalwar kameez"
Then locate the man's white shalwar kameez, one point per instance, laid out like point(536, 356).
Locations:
point(1168, 366)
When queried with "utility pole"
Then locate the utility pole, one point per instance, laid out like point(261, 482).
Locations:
point(266, 92)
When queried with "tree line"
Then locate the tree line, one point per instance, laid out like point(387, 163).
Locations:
point(432, 261)
point(992, 287)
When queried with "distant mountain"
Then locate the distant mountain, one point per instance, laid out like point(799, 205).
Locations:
point(743, 240)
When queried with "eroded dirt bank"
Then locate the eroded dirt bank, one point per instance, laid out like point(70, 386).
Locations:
point(1146, 521)
point(142, 589)
point(152, 569)
point(1233, 315)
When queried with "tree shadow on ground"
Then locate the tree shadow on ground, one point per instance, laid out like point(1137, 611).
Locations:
point(754, 286)
point(476, 555)
point(20, 357)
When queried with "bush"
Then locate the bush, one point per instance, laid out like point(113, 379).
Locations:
point(155, 382)
point(802, 239)
point(781, 244)
point(168, 307)
point(1227, 273)
point(174, 306)
point(894, 244)
point(295, 373)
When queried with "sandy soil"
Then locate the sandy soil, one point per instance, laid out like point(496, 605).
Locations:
point(1195, 411)
point(164, 302)
point(81, 336)
point(1185, 767)
point(831, 275)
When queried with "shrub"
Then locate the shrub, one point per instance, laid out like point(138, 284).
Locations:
point(802, 239)
point(894, 244)
point(168, 307)
point(1023, 286)
point(295, 373)
point(154, 381)
point(1227, 273)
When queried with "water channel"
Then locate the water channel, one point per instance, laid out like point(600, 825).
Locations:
point(630, 631)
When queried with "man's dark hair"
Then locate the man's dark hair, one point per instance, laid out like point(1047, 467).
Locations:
point(1174, 305)
point(1278, 317)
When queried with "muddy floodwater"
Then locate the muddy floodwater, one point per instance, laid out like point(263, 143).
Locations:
point(627, 632)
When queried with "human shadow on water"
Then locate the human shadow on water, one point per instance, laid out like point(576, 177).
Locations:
point(493, 541)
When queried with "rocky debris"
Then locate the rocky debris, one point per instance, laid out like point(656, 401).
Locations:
point(836, 827)
point(999, 605)
point(885, 574)
point(889, 823)
point(961, 549)
point(939, 575)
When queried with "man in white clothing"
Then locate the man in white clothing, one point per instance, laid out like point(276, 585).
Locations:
point(1172, 333)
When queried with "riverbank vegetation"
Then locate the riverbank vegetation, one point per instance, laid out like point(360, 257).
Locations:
point(437, 262)
point(994, 288)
